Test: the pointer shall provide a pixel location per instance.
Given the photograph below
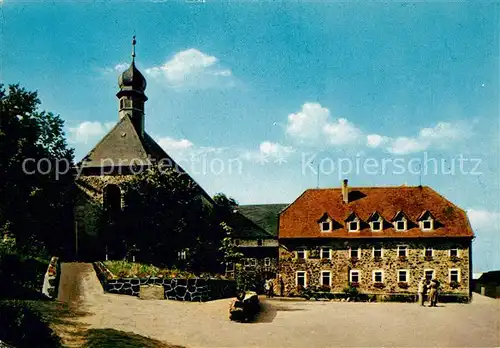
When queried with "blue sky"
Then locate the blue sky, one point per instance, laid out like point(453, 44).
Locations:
point(245, 94)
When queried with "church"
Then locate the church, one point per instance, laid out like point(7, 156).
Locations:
point(124, 152)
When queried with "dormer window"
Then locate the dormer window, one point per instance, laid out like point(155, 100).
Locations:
point(353, 226)
point(376, 226)
point(426, 221)
point(376, 222)
point(325, 223)
point(401, 225)
point(326, 226)
point(400, 221)
point(353, 223)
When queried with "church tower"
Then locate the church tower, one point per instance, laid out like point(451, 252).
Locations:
point(131, 95)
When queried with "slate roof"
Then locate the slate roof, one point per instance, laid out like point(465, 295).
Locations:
point(263, 215)
point(244, 228)
point(123, 146)
point(299, 219)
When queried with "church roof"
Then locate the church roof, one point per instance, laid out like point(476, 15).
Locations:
point(122, 146)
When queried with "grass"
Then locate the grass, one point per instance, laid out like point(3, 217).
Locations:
point(125, 269)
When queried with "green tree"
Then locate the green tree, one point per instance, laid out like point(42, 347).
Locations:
point(165, 214)
point(230, 251)
point(35, 173)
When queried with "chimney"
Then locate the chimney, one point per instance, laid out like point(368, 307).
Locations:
point(345, 191)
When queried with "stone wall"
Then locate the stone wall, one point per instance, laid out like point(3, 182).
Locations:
point(340, 264)
point(195, 289)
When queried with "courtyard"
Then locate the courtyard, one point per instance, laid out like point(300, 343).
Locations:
point(282, 323)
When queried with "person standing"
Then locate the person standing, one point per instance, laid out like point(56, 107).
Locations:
point(433, 292)
point(271, 288)
point(421, 291)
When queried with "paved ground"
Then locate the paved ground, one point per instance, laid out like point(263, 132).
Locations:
point(282, 324)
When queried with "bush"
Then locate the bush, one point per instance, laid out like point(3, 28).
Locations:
point(351, 292)
point(23, 326)
point(21, 277)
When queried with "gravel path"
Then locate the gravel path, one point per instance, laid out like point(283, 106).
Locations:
point(283, 323)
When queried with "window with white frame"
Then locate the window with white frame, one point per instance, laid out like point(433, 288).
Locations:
point(301, 253)
point(354, 276)
point(251, 262)
point(403, 276)
point(402, 250)
point(325, 253)
point(230, 267)
point(429, 274)
point(378, 276)
point(326, 278)
point(354, 253)
point(267, 262)
point(401, 225)
point(377, 252)
point(426, 225)
point(428, 252)
point(181, 255)
point(376, 226)
point(326, 226)
point(453, 252)
point(353, 226)
point(301, 278)
point(454, 275)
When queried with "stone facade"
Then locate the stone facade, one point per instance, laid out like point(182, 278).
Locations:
point(340, 264)
point(89, 212)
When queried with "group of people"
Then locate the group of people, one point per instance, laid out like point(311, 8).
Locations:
point(428, 291)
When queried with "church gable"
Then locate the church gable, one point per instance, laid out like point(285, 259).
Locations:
point(122, 146)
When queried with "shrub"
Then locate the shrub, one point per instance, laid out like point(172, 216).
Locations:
point(351, 292)
point(21, 277)
point(23, 326)
point(454, 285)
point(403, 285)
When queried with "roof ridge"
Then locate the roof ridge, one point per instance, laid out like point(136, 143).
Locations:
point(367, 187)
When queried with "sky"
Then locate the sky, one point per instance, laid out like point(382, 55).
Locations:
point(262, 100)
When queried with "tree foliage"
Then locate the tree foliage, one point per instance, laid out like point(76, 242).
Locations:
point(164, 215)
point(34, 200)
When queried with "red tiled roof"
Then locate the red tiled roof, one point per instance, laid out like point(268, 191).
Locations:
point(300, 219)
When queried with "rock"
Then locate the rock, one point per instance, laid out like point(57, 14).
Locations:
point(151, 292)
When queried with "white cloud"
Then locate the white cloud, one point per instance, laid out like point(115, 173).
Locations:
point(342, 132)
point(308, 123)
point(312, 125)
point(88, 131)
point(268, 152)
point(405, 145)
point(120, 67)
point(191, 68)
point(168, 143)
point(375, 140)
point(441, 135)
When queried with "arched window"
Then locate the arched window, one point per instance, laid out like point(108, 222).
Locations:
point(112, 198)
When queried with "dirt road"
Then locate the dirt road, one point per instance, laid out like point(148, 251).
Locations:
point(282, 324)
